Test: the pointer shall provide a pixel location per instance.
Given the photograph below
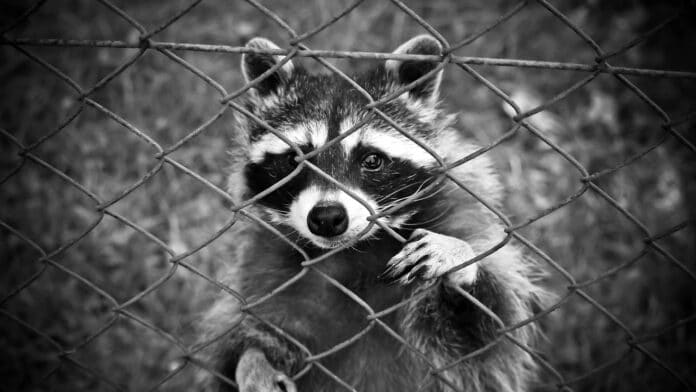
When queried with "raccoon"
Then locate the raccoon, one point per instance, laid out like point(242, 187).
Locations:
point(389, 184)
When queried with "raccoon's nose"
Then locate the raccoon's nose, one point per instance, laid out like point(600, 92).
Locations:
point(328, 220)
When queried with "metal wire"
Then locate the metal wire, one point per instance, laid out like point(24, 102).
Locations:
point(85, 96)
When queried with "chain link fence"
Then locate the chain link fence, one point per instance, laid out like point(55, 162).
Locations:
point(105, 217)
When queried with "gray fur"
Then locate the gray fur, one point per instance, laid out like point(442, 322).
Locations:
point(319, 316)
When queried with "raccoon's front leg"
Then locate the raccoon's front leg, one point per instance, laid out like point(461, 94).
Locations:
point(255, 374)
point(254, 356)
point(453, 323)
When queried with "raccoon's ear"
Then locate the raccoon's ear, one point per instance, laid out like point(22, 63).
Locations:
point(406, 72)
point(255, 64)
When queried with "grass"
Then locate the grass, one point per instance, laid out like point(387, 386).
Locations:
point(600, 125)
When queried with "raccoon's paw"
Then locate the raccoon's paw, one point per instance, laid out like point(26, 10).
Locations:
point(428, 256)
point(255, 374)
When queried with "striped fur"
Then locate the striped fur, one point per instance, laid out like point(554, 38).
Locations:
point(440, 323)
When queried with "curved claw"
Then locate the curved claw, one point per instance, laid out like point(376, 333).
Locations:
point(427, 256)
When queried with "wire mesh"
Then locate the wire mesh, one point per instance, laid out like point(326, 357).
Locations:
point(163, 156)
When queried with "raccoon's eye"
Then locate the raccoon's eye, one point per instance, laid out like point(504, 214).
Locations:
point(372, 162)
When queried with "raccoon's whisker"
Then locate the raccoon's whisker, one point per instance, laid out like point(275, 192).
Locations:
point(429, 194)
point(418, 199)
point(390, 194)
point(421, 185)
point(425, 196)
point(399, 200)
point(431, 221)
point(280, 212)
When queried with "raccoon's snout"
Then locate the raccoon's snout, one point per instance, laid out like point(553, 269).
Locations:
point(331, 218)
point(328, 220)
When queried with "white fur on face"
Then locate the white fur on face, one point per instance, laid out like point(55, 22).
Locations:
point(314, 133)
point(393, 143)
point(357, 214)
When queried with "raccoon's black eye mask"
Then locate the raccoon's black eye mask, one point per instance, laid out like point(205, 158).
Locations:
point(382, 163)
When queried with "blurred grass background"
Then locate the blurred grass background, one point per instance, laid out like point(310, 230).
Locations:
point(600, 125)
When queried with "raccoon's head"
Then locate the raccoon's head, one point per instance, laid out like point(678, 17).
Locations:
point(377, 165)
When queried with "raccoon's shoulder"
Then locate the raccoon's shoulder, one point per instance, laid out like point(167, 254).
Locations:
point(477, 175)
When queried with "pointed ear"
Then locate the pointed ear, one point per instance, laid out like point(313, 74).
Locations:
point(406, 72)
point(255, 64)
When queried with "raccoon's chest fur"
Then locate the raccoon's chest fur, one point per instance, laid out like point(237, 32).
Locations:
point(321, 315)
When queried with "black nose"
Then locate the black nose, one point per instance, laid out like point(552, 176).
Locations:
point(328, 220)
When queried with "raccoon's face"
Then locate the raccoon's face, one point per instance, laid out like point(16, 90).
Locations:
point(365, 173)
